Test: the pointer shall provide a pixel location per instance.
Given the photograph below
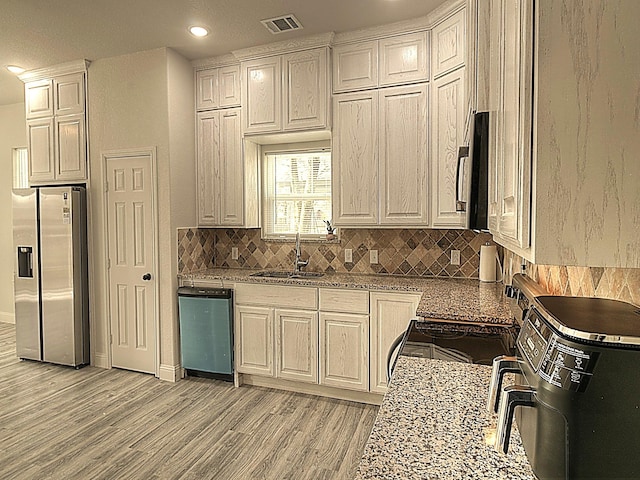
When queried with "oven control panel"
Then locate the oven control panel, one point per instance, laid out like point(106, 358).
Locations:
point(558, 361)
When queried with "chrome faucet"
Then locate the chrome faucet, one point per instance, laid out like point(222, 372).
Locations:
point(297, 263)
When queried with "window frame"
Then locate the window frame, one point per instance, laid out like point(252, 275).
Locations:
point(268, 183)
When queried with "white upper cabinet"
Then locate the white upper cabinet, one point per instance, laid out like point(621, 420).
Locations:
point(225, 174)
point(40, 134)
point(38, 96)
point(306, 90)
point(69, 94)
point(449, 109)
point(263, 95)
point(560, 189)
point(55, 100)
point(287, 92)
point(229, 86)
point(394, 60)
point(510, 107)
point(380, 162)
point(207, 92)
point(218, 87)
point(403, 155)
point(355, 66)
point(449, 44)
point(355, 158)
point(403, 59)
point(70, 151)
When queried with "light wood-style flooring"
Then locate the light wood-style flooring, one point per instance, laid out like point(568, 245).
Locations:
point(61, 423)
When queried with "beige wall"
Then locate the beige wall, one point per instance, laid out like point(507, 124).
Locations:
point(180, 94)
point(130, 108)
point(12, 135)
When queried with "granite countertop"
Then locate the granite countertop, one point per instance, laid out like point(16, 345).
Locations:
point(454, 299)
point(433, 425)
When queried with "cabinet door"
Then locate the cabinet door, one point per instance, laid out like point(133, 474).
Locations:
point(449, 43)
point(231, 187)
point(297, 345)
point(514, 129)
point(390, 315)
point(344, 350)
point(263, 95)
point(305, 101)
point(403, 155)
point(208, 158)
point(70, 148)
point(403, 59)
point(207, 89)
point(355, 159)
point(41, 153)
point(449, 107)
point(355, 66)
point(229, 83)
point(254, 340)
point(38, 97)
point(69, 94)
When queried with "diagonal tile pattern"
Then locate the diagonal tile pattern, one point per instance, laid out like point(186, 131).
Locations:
point(400, 251)
point(609, 282)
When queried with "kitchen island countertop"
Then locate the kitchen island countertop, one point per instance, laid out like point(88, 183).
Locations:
point(453, 299)
point(433, 425)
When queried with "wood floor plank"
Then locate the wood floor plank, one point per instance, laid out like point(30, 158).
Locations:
point(57, 422)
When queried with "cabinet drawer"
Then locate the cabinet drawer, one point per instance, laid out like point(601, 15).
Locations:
point(277, 296)
point(347, 301)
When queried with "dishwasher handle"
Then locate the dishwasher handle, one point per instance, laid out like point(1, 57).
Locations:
point(205, 292)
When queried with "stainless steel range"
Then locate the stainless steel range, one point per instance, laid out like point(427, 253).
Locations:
point(577, 397)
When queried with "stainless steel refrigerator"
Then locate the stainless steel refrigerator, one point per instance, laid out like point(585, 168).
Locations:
point(50, 279)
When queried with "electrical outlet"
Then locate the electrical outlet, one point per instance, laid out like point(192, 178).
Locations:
point(455, 257)
point(348, 255)
point(373, 257)
point(234, 253)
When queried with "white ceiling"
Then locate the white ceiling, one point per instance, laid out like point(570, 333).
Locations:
point(37, 33)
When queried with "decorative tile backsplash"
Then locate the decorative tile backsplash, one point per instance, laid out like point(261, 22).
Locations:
point(400, 252)
point(615, 283)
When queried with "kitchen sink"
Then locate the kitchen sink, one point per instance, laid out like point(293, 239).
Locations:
point(281, 274)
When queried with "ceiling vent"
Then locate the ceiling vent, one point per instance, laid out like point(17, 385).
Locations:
point(285, 23)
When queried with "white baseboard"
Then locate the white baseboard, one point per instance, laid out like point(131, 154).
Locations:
point(6, 317)
point(101, 360)
point(169, 373)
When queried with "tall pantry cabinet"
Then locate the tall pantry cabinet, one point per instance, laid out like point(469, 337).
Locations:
point(227, 170)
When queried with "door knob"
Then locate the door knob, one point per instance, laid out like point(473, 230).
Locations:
point(146, 277)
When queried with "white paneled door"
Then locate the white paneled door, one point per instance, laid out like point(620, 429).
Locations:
point(132, 261)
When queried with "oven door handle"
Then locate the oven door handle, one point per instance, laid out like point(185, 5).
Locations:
point(392, 355)
point(511, 397)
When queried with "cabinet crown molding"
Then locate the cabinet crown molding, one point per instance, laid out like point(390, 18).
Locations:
point(213, 62)
point(76, 66)
point(286, 46)
point(406, 26)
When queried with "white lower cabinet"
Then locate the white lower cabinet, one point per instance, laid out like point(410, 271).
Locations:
point(333, 338)
point(254, 340)
point(390, 315)
point(297, 345)
point(274, 338)
point(344, 350)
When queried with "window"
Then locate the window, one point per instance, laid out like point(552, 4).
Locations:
point(20, 168)
point(297, 190)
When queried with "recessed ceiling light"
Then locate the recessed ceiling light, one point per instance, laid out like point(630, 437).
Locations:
point(15, 69)
point(197, 31)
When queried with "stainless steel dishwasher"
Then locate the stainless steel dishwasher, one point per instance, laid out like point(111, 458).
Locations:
point(206, 331)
